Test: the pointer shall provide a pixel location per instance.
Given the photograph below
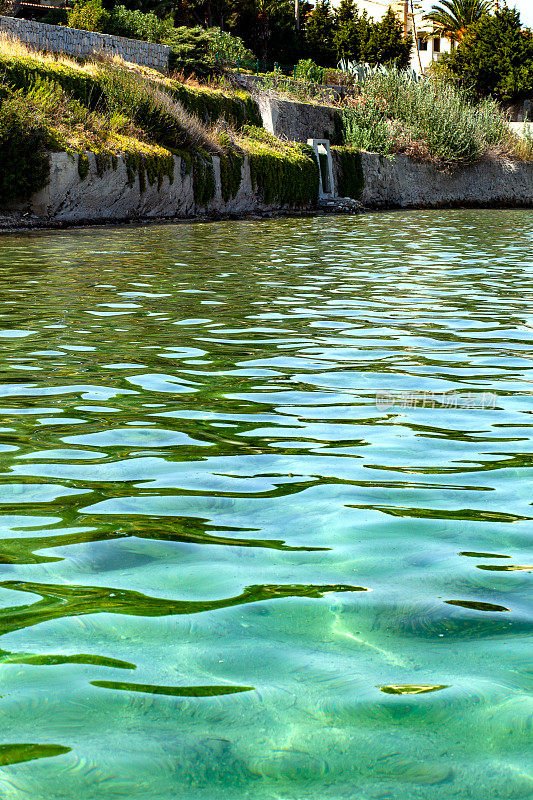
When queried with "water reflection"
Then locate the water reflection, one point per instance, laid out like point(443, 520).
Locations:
point(226, 569)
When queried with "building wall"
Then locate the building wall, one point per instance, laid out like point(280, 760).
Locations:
point(434, 50)
point(71, 42)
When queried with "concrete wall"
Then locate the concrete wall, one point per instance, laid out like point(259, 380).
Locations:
point(403, 183)
point(299, 122)
point(56, 39)
point(398, 183)
point(107, 195)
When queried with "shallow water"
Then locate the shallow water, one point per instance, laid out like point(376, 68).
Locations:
point(266, 510)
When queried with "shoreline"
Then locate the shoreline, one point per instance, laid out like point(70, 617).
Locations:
point(49, 226)
point(36, 224)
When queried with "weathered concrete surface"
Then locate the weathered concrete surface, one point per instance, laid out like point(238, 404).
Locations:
point(298, 122)
point(107, 195)
point(389, 183)
point(403, 183)
point(522, 128)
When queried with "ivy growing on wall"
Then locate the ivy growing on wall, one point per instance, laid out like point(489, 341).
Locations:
point(203, 179)
point(281, 172)
point(350, 176)
point(230, 174)
point(151, 168)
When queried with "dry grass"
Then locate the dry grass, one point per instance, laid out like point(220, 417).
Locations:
point(14, 48)
point(199, 135)
point(136, 103)
point(153, 110)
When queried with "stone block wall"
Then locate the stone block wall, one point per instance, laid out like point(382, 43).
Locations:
point(84, 44)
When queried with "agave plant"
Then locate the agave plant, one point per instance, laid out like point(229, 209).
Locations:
point(362, 72)
point(451, 18)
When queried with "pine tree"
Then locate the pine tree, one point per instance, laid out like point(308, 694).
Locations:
point(387, 43)
point(495, 57)
point(352, 31)
point(319, 31)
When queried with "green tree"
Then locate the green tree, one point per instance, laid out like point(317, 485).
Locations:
point(162, 8)
point(452, 17)
point(266, 27)
point(319, 32)
point(89, 16)
point(387, 43)
point(495, 57)
point(352, 31)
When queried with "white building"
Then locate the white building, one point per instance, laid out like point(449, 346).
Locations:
point(429, 49)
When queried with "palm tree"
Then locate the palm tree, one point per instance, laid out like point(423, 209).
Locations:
point(451, 18)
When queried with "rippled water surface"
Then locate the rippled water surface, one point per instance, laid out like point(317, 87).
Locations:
point(266, 509)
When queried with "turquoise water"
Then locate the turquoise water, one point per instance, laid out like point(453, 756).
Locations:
point(266, 510)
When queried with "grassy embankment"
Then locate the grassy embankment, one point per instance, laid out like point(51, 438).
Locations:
point(112, 108)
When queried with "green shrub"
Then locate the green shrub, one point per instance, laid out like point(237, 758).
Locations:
point(495, 58)
point(24, 141)
point(190, 50)
point(366, 127)
point(55, 16)
point(89, 16)
point(434, 115)
point(307, 70)
point(223, 46)
point(136, 25)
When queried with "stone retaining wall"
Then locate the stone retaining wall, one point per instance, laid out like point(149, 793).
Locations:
point(389, 183)
point(108, 195)
point(402, 182)
point(71, 42)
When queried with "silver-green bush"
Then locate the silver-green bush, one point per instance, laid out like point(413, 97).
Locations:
point(434, 114)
